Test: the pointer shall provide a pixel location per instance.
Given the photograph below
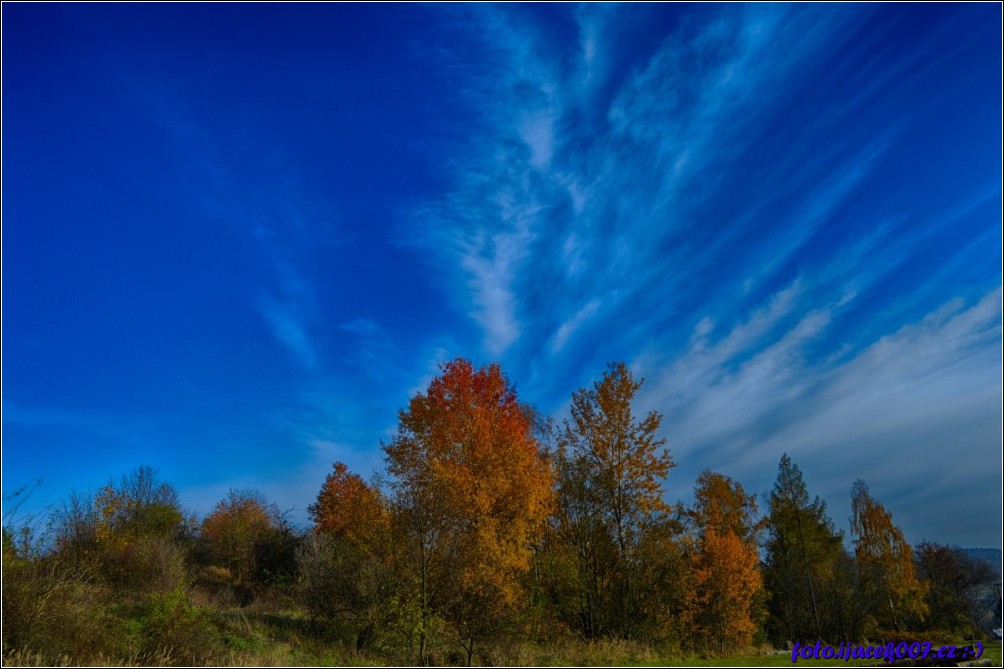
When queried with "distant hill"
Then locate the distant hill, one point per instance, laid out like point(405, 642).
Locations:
point(991, 555)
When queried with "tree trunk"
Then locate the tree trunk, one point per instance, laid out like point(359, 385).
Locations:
point(808, 575)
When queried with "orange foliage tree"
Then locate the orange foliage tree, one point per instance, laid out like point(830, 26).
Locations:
point(475, 488)
point(726, 578)
point(237, 527)
point(349, 567)
point(348, 508)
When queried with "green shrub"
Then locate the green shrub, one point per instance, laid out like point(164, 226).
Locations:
point(169, 622)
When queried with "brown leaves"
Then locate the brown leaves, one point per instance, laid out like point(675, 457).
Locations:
point(723, 506)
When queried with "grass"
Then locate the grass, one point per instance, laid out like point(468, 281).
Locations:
point(624, 654)
point(628, 654)
point(992, 651)
point(283, 638)
point(168, 630)
point(304, 650)
point(274, 633)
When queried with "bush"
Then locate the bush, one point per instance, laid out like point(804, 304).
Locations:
point(169, 623)
point(144, 564)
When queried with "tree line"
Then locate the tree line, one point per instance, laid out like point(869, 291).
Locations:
point(495, 525)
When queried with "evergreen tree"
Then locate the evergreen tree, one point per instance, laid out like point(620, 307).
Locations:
point(802, 548)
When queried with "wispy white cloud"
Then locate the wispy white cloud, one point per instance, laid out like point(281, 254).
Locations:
point(490, 278)
point(610, 204)
point(595, 165)
point(569, 327)
point(892, 413)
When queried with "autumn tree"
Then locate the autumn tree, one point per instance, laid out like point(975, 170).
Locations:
point(802, 549)
point(611, 467)
point(139, 504)
point(349, 566)
point(582, 539)
point(722, 506)
point(721, 604)
point(347, 507)
point(888, 584)
point(238, 530)
point(137, 523)
point(475, 490)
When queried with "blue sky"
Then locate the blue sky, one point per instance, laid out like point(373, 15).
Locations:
point(237, 238)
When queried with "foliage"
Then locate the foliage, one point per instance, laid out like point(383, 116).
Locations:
point(348, 508)
point(500, 539)
point(170, 621)
point(961, 591)
point(722, 506)
point(474, 490)
point(625, 462)
point(347, 587)
point(128, 534)
point(349, 567)
point(720, 607)
point(138, 505)
point(888, 585)
point(610, 471)
point(806, 601)
point(237, 531)
point(38, 598)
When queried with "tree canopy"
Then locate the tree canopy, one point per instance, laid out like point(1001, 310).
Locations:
point(473, 479)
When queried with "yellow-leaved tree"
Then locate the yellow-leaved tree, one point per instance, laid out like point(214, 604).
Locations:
point(475, 489)
point(891, 591)
point(611, 467)
point(721, 604)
